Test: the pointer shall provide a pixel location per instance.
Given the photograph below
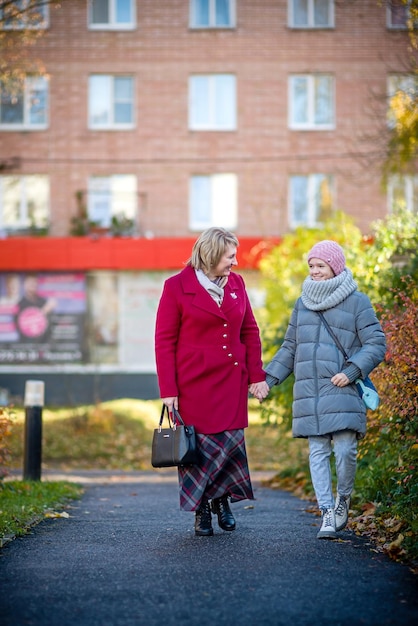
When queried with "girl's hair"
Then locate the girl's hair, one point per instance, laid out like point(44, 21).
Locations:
point(210, 247)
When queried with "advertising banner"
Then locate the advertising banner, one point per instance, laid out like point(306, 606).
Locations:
point(42, 318)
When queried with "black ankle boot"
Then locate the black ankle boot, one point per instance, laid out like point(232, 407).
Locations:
point(226, 520)
point(203, 521)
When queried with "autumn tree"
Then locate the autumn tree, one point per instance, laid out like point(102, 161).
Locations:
point(21, 25)
point(401, 132)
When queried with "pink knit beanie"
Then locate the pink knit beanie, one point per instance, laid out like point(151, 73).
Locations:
point(331, 253)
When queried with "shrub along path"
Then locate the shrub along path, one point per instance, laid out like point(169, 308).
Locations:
point(127, 556)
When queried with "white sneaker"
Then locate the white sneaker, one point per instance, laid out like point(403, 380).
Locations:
point(327, 530)
point(342, 505)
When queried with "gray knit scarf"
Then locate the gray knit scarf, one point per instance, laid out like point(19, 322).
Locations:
point(325, 294)
point(215, 289)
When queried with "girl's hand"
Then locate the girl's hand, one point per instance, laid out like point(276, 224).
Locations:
point(340, 380)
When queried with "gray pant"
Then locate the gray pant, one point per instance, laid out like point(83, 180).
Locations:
point(345, 452)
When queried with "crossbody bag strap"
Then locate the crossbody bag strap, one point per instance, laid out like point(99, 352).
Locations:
point(337, 341)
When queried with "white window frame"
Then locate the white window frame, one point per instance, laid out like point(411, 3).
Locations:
point(312, 209)
point(389, 14)
point(114, 192)
point(409, 185)
point(26, 124)
point(112, 24)
point(111, 124)
point(220, 200)
point(212, 16)
point(311, 16)
point(26, 23)
point(310, 123)
point(211, 123)
point(24, 221)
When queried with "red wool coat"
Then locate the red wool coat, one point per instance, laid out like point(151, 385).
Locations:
point(207, 355)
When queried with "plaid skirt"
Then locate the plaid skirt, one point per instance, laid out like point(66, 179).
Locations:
point(223, 470)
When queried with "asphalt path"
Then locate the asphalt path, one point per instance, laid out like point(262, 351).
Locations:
point(127, 556)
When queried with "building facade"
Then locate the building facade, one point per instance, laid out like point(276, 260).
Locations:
point(155, 119)
point(168, 116)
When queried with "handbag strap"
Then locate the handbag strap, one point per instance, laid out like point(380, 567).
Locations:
point(172, 422)
point(337, 341)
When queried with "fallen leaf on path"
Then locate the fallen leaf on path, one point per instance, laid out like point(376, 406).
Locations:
point(54, 514)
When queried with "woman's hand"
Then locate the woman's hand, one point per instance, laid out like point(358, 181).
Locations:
point(259, 390)
point(171, 402)
point(340, 380)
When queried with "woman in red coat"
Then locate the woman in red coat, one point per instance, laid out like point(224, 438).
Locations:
point(208, 354)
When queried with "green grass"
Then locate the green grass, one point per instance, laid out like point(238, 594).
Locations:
point(23, 504)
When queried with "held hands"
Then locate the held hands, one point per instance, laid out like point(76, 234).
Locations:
point(259, 390)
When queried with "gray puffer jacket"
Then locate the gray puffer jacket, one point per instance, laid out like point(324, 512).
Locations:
point(308, 350)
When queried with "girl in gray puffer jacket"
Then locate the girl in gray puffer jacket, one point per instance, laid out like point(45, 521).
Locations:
point(326, 405)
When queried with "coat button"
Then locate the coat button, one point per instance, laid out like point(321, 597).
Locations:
point(225, 325)
point(225, 336)
point(230, 355)
point(224, 347)
point(236, 363)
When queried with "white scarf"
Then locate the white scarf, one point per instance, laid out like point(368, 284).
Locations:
point(319, 295)
point(215, 289)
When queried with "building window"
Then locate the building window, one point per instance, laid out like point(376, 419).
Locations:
point(403, 193)
point(212, 102)
point(212, 13)
point(311, 105)
point(311, 13)
point(112, 14)
point(24, 203)
point(402, 96)
point(398, 13)
point(111, 102)
point(25, 107)
point(310, 199)
point(24, 15)
point(213, 201)
point(112, 199)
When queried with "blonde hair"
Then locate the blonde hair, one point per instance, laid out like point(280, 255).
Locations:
point(210, 247)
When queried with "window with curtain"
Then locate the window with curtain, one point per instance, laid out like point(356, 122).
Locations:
point(212, 13)
point(24, 14)
point(310, 199)
point(403, 193)
point(213, 201)
point(112, 197)
point(112, 14)
point(212, 102)
point(26, 106)
point(24, 202)
point(111, 102)
point(311, 102)
point(311, 13)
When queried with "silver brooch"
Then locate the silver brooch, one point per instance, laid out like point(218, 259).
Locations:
point(234, 295)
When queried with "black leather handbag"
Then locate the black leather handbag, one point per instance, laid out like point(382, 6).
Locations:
point(173, 446)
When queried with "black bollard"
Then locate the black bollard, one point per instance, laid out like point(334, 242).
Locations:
point(34, 402)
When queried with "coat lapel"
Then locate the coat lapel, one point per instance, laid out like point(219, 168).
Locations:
point(201, 297)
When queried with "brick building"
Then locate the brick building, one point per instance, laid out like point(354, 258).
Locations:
point(259, 116)
point(159, 118)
